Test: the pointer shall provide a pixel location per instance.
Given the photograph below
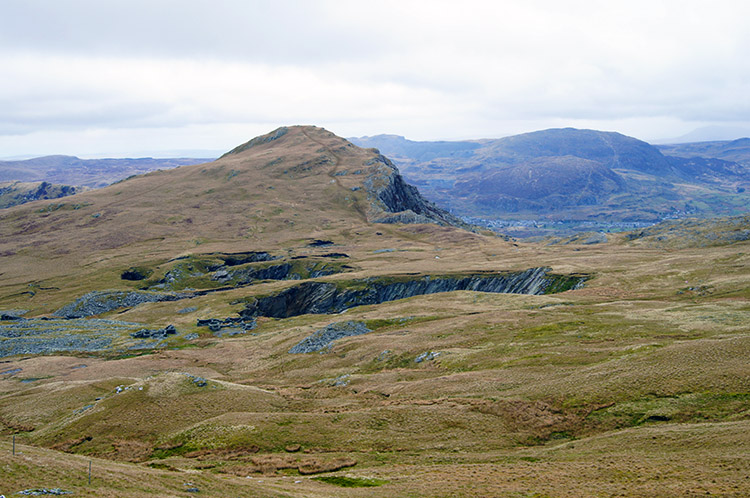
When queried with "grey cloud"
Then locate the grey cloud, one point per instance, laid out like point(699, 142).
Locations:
point(292, 32)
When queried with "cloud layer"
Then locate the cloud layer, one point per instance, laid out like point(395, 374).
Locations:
point(90, 77)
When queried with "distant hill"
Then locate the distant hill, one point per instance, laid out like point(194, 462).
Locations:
point(571, 174)
point(94, 173)
point(708, 134)
point(729, 150)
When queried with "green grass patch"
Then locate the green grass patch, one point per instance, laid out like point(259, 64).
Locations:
point(351, 482)
point(685, 408)
point(562, 283)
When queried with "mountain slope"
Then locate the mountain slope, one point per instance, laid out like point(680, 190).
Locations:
point(264, 192)
point(545, 184)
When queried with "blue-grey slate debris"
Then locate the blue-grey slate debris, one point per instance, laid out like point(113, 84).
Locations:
point(198, 381)
point(191, 488)
point(235, 323)
point(44, 491)
point(12, 314)
point(97, 302)
point(324, 337)
point(44, 336)
point(155, 334)
point(429, 355)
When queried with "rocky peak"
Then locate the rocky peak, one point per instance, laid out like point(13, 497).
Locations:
point(392, 200)
point(312, 152)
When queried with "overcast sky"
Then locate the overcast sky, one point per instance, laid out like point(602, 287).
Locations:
point(91, 77)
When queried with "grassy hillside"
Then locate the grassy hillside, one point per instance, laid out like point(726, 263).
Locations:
point(634, 384)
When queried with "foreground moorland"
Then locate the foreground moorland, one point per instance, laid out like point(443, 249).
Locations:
point(614, 369)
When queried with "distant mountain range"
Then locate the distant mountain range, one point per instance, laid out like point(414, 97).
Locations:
point(52, 177)
point(94, 173)
point(572, 174)
point(551, 176)
point(732, 150)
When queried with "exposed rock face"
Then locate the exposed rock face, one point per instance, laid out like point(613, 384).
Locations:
point(241, 258)
point(321, 297)
point(247, 275)
point(285, 271)
point(322, 338)
point(392, 200)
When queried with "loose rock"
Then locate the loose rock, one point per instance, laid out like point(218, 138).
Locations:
point(325, 336)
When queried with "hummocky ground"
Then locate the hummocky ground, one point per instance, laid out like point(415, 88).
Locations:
point(632, 384)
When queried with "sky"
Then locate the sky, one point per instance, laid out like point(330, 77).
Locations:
point(132, 78)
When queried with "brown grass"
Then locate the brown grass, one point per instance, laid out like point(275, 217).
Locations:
point(634, 385)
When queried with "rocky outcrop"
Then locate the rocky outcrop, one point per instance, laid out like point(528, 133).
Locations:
point(97, 302)
point(323, 297)
point(247, 275)
point(135, 273)
point(392, 200)
point(285, 271)
point(217, 324)
point(15, 193)
point(323, 338)
point(241, 258)
point(154, 334)
point(46, 336)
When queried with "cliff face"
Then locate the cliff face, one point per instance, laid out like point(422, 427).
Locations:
point(392, 200)
point(323, 297)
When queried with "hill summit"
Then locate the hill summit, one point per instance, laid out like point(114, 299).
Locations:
point(294, 182)
point(317, 157)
